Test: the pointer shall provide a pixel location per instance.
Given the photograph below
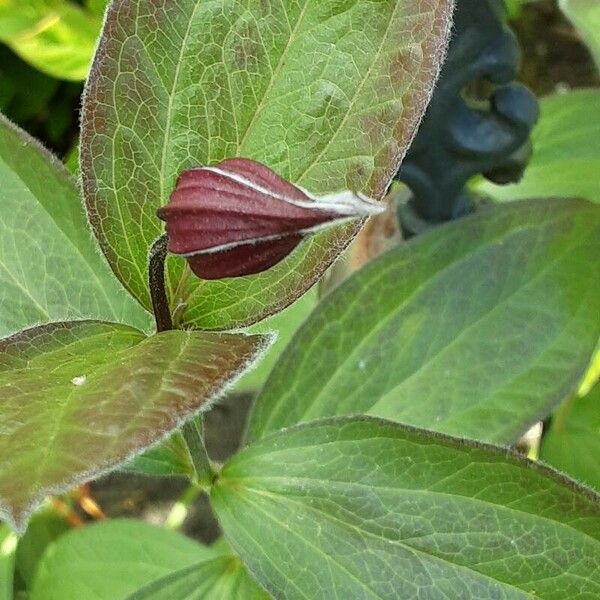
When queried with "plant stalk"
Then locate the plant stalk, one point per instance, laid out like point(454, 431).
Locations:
point(193, 430)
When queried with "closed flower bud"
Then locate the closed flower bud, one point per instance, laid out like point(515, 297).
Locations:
point(239, 218)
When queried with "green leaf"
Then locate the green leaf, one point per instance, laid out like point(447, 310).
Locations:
point(169, 458)
point(585, 15)
point(328, 94)
point(77, 399)
point(50, 268)
point(362, 508)
point(566, 158)
point(97, 7)
point(216, 579)
point(572, 444)
point(476, 329)
point(110, 560)
point(284, 324)
point(8, 544)
point(43, 529)
point(55, 36)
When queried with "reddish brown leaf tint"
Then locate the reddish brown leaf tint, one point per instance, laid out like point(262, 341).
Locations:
point(239, 217)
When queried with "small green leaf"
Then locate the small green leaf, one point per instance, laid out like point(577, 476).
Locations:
point(78, 399)
point(56, 37)
point(50, 267)
point(217, 579)
point(566, 158)
point(8, 545)
point(362, 508)
point(110, 560)
point(328, 94)
point(478, 328)
point(168, 458)
point(572, 444)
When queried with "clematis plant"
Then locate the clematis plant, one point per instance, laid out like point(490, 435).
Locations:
point(375, 460)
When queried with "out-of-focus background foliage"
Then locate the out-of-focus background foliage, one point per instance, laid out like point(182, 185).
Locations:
point(45, 52)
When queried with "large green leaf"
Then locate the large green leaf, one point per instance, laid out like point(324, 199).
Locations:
point(477, 328)
point(57, 37)
point(8, 544)
point(217, 579)
point(572, 444)
point(50, 268)
point(77, 399)
point(566, 158)
point(327, 93)
point(360, 508)
point(585, 15)
point(110, 560)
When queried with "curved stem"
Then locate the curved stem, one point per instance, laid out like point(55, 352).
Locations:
point(158, 290)
point(192, 431)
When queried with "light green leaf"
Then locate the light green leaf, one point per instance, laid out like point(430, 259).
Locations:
point(328, 94)
point(50, 268)
point(55, 36)
point(97, 6)
point(77, 399)
point(44, 528)
point(284, 324)
point(585, 15)
point(478, 328)
point(8, 545)
point(110, 560)
point(566, 158)
point(217, 579)
point(572, 444)
point(364, 509)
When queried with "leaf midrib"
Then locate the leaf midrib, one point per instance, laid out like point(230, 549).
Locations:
point(408, 491)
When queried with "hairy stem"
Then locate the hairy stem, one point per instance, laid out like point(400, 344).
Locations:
point(192, 431)
point(158, 290)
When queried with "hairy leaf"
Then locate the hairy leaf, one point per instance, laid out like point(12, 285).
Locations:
point(566, 157)
point(110, 560)
point(50, 268)
point(478, 328)
point(572, 444)
point(328, 94)
point(216, 579)
point(361, 508)
point(77, 399)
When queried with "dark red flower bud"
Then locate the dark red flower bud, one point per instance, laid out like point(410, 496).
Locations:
point(239, 218)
